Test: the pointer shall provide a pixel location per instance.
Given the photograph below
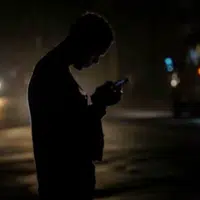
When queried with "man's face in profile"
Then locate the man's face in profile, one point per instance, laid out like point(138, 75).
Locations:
point(86, 59)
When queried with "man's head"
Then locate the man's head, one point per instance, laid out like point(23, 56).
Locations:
point(92, 36)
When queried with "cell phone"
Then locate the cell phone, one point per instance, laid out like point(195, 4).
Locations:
point(121, 82)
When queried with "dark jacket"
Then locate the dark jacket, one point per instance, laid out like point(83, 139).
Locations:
point(67, 133)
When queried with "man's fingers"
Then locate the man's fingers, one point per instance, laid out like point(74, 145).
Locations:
point(110, 83)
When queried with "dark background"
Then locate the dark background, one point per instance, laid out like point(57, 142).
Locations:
point(146, 32)
point(148, 154)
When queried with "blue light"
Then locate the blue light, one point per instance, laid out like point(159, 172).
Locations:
point(168, 61)
point(170, 68)
point(169, 64)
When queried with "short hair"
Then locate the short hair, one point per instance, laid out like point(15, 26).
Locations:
point(93, 29)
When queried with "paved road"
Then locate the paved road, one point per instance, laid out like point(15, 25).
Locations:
point(147, 156)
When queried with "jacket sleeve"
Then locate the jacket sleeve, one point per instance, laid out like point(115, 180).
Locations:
point(94, 115)
point(69, 114)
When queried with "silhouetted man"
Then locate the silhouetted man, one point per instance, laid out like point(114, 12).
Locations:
point(66, 131)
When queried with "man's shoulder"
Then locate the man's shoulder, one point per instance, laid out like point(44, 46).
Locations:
point(47, 65)
point(45, 60)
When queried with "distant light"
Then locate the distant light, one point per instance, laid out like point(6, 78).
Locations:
point(168, 61)
point(174, 83)
point(169, 64)
point(170, 68)
point(198, 71)
point(175, 79)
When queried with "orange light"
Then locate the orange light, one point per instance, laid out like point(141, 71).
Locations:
point(198, 71)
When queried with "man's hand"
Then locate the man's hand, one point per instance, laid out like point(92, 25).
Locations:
point(107, 94)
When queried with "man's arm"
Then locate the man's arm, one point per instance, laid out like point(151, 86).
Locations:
point(97, 111)
point(95, 108)
point(93, 115)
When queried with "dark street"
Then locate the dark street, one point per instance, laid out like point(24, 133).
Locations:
point(137, 61)
point(147, 156)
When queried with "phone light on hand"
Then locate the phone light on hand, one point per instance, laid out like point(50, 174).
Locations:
point(121, 82)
